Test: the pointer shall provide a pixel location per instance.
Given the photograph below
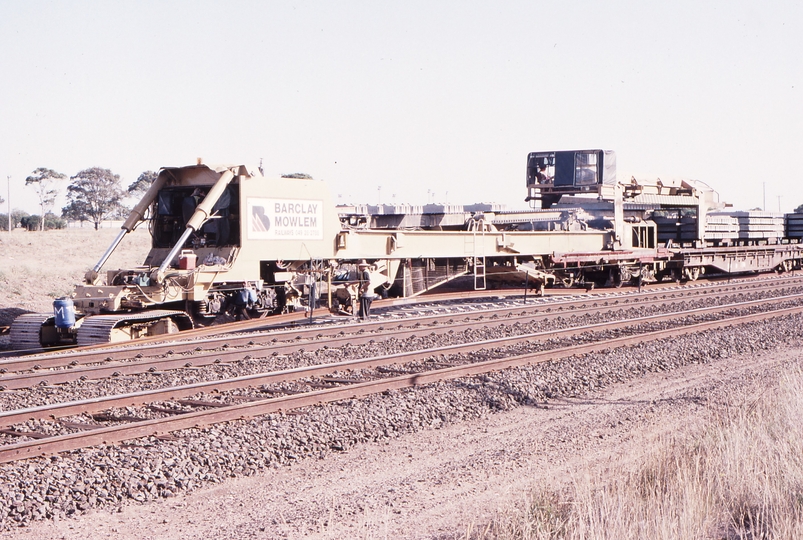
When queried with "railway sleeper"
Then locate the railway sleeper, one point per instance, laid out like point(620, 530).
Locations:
point(79, 425)
point(31, 434)
point(108, 417)
point(165, 410)
point(200, 403)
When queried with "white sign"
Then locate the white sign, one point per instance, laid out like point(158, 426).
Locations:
point(285, 219)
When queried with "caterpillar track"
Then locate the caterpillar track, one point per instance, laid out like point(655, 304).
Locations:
point(36, 330)
point(26, 330)
point(124, 327)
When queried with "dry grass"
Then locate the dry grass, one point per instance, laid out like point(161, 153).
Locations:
point(739, 478)
point(36, 267)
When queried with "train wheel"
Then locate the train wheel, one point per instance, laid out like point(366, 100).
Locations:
point(567, 280)
point(199, 312)
point(692, 274)
point(621, 275)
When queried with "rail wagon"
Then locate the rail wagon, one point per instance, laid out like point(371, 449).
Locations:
point(224, 236)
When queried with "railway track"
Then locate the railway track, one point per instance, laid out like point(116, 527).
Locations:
point(111, 360)
point(349, 379)
point(431, 303)
point(227, 350)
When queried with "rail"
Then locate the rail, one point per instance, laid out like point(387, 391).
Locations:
point(291, 341)
point(111, 434)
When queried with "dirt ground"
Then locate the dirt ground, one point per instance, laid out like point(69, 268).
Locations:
point(36, 267)
point(437, 483)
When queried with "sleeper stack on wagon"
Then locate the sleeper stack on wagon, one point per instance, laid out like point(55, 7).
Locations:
point(738, 226)
point(794, 226)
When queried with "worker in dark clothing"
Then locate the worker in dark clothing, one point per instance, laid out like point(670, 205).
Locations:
point(542, 176)
point(366, 296)
point(241, 300)
point(189, 204)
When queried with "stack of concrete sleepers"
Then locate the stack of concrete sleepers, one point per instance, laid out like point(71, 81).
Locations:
point(794, 225)
point(721, 226)
point(750, 225)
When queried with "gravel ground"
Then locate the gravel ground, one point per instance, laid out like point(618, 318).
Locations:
point(77, 390)
point(89, 388)
point(114, 477)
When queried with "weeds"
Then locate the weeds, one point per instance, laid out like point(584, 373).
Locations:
point(741, 478)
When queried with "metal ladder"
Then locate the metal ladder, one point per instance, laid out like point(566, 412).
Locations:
point(478, 254)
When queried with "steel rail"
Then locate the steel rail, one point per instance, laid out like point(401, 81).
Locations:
point(8, 418)
point(624, 301)
point(92, 356)
point(572, 291)
point(27, 380)
point(198, 419)
point(299, 318)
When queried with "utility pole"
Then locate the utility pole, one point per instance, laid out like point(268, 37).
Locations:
point(9, 203)
point(764, 206)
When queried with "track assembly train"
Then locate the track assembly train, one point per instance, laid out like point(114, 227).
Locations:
point(228, 236)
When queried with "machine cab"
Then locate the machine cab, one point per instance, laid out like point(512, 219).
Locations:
point(552, 174)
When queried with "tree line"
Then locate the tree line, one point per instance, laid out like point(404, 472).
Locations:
point(93, 195)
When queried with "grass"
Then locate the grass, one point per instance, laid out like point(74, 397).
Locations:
point(741, 477)
point(37, 267)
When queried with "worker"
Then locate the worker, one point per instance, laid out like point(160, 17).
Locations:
point(541, 175)
point(189, 204)
point(242, 299)
point(366, 296)
point(311, 283)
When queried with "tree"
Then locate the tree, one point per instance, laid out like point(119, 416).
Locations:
point(138, 188)
point(94, 193)
point(16, 218)
point(52, 221)
point(43, 181)
point(75, 211)
point(799, 209)
point(31, 223)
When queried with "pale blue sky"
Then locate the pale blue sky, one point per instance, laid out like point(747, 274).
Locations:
point(411, 96)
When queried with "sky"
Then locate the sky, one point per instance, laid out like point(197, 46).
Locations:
point(414, 101)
